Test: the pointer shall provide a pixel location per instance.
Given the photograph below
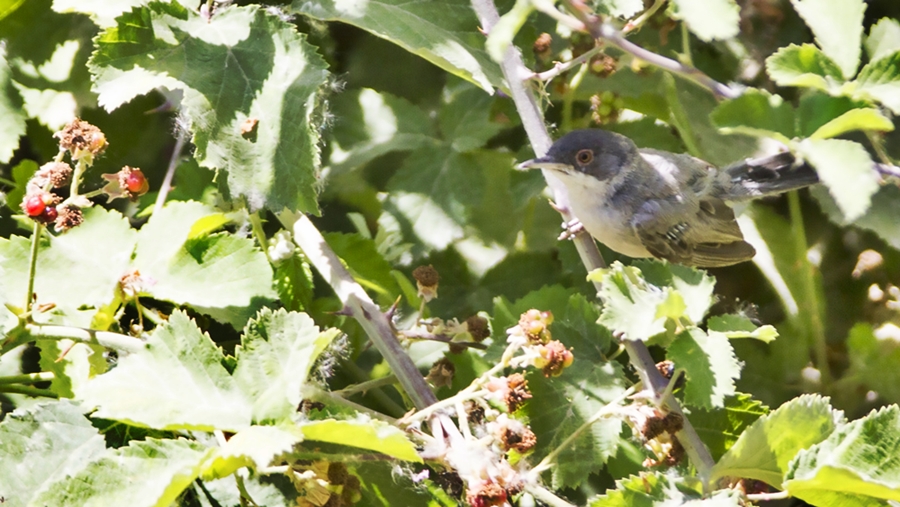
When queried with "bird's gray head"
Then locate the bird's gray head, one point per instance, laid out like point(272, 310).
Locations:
point(593, 152)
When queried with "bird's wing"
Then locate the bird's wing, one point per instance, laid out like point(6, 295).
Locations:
point(705, 236)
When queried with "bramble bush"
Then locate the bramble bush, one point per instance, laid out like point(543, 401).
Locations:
point(278, 255)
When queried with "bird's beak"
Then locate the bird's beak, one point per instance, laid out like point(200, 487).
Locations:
point(541, 163)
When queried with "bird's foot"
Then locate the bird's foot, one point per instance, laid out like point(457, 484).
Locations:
point(571, 229)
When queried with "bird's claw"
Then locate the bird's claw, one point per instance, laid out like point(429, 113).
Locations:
point(571, 229)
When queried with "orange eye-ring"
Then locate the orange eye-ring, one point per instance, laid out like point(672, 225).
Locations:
point(584, 157)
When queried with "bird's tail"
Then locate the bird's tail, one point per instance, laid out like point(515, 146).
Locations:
point(769, 176)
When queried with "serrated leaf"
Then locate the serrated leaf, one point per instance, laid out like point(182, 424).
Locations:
point(710, 19)
point(373, 435)
point(102, 12)
point(804, 65)
point(78, 271)
point(465, 119)
point(150, 473)
point(720, 428)
point(837, 26)
point(710, 366)
point(765, 449)
point(440, 31)
point(880, 81)
point(177, 382)
point(12, 119)
point(294, 282)
point(653, 489)
point(274, 358)
point(366, 265)
point(855, 119)
point(695, 286)
point(817, 109)
point(21, 173)
point(881, 217)
point(630, 303)
point(207, 225)
point(240, 67)
point(221, 275)
point(739, 326)
point(71, 363)
point(53, 439)
point(846, 169)
point(883, 39)
point(858, 459)
point(756, 113)
point(255, 446)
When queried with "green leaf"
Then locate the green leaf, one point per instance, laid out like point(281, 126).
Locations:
point(765, 449)
point(880, 218)
point(883, 39)
point(837, 25)
point(71, 363)
point(739, 326)
point(255, 446)
point(630, 303)
point(846, 169)
point(880, 81)
point(41, 445)
point(653, 489)
point(78, 271)
point(150, 473)
point(366, 265)
point(858, 460)
point(276, 352)
point(21, 173)
point(756, 113)
point(710, 366)
point(710, 19)
point(221, 275)
point(373, 435)
point(855, 119)
point(505, 29)
point(804, 65)
point(177, 382)
point(465, 119)
point(241, 68)
point(372, 124)
point(817, 109)
point(294, 282)
point(720, 428)
point(12, 119)
point(693, 285)
point(440, 31)
point(873, 355)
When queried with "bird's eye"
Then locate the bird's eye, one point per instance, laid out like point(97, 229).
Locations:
point(584, 157)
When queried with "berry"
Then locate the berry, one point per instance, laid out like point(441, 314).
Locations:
point(136, 182)
point(34, 205)
point(49, 215)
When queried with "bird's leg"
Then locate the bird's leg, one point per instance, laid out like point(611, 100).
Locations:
point(571, 229)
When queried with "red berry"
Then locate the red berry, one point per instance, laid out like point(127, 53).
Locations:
point(136, 182)
point(34, 205)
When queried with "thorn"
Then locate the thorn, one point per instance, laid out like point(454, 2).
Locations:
point(393, 309)
point(346, 311)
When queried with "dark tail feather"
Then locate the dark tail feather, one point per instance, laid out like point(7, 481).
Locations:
point(770, 176)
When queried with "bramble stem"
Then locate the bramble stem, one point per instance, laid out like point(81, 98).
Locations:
point(166, 185)
point(28, 378)
point(27, 390)
point(36, 234)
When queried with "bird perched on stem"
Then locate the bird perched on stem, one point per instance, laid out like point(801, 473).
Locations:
point(652, 203)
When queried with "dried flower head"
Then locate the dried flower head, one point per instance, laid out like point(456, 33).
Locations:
point(441, 373)
point(517, 393)
point(478, 328)
point(50, 175)
point(427, 279)
point(83, 140)
point(485, 494)
point(68, 216)
point(554, 358)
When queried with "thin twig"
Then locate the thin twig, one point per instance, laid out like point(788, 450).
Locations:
point(638, 22)
point(32, 266)
point(170, 172)
point(28, 378)
point(560, 67)
point(766, 497)
point(27, 390)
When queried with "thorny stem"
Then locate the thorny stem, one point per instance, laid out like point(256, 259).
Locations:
point(28, 378)
point(27, 390)
point(810, 303)
point(605, 411)
point(36, 234)
point(561, 67)
point(116, 341)
point(365, 386)
point(361, 307)
point(532, 120)
point(316, 394)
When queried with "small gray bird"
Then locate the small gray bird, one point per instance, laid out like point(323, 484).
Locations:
point(651, 203)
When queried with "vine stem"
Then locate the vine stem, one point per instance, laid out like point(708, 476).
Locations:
point(532, 119)
point(31, 332)
point(370, 317)
point(28, 378)
point(166, 185)
point(809, 301)
point(36, 234)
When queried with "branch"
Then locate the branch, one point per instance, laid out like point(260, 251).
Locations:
point(532, 119)
point(605, 31)
point(31, 332)
point(370, 317)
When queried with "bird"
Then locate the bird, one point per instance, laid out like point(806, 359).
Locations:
point(652, 203)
